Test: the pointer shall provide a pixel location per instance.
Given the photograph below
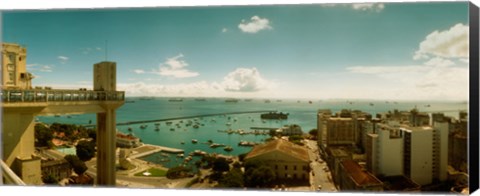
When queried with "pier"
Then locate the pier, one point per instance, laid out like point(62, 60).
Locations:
point(148, 149)
point(185, 117)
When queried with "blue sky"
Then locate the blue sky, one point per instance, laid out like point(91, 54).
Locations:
point(401, 51)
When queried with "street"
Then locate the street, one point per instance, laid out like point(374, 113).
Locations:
point(318, 175)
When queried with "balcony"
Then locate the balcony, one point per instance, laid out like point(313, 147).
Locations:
point(45, 96)
point(7, 176)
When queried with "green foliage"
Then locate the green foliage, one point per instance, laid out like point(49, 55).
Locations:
point(85, 150)
point(237, 165)
point(296, 139)
point(92, 133)
point(49, 179)
point(241, 157)
point(78, 166)
point(233, 179)
point(208, 162)
point(258, 175)
point(43, 136)
point(220, 165)
point(313, 133)
point(177, 172)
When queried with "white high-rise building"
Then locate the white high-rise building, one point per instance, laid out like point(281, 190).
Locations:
point(418, 154)
point(385, 150)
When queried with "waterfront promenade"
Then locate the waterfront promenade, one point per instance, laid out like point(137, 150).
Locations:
point(148, 149)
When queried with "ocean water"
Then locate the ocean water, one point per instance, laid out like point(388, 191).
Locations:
point(301, 112)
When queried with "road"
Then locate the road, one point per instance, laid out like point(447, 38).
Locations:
point(318, 175)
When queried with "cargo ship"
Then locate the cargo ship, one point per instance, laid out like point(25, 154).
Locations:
point(274, 115)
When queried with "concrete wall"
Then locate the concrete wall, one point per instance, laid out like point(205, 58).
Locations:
point(441, 136)
point(421, 156)
point(390, 154)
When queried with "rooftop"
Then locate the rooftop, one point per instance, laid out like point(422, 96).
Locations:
point(281, 145)
point(359, 175)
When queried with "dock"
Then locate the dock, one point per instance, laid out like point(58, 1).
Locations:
point(148, 149)
point(264, 128)
point(184, 117)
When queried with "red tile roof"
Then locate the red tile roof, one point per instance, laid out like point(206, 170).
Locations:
point(281, 145)
point(360, 176)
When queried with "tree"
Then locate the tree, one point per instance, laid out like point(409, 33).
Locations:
point(49, 179)
point(177, 172)
point(78, 165)
point(220, 165)
point(43, 136)
point(233, 179)
point(258, 175)
point(313, 133)
point(92, 133)
point(85, 150)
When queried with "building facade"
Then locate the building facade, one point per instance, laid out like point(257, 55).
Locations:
point(418, 154)
point(287, 160)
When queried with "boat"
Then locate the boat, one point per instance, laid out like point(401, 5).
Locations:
point(228, 148)
point(180, 155)
point(215, 145)
point(232, 100)
point(143, 126)
point(175, 100)
point(157, 129)
point(274, 115)
point(172, 129)
point(168, 123)
point(182, 142)
point(267, 101)
point(371, 104)
point(194, 141)
point(199, 153)
point(129, 129)
point(195, 126)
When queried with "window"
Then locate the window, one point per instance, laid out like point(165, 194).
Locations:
point(286, 167)
point(295, 167)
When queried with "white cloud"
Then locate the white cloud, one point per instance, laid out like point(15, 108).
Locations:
point(175, 67)
point(39, 67)
point(235, 83)
point(439, 62)
point(386, 69)
point(368, 6)
point(245, 80)
point(465, 60)
point(255, 25)
point(451, 43)
point(139, 71)
point(62, 59)
point(437, 78)
point(224, 30)
point(46, 68)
